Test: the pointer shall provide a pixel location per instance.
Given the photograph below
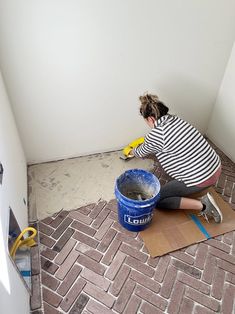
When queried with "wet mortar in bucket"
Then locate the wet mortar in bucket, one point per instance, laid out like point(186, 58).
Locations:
point(137, 193)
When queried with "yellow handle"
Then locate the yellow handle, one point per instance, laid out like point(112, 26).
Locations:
point(29, 241)
point(126, 150)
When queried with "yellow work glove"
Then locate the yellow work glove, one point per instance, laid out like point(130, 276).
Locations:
point(126, 150)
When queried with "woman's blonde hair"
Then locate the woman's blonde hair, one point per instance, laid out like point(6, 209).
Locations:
point(151, 106)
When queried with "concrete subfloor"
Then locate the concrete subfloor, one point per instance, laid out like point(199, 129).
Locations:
point(72, 183)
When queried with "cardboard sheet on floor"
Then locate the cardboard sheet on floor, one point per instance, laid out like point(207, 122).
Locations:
point(172, 230)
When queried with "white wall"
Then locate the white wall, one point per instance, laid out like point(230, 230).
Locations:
point(74, 69)
point(221, 129)
point(14, 298)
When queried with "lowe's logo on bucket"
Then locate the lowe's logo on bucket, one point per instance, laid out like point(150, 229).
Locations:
point(138, 220)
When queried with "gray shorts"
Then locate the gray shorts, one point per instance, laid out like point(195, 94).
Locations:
point(172, 191)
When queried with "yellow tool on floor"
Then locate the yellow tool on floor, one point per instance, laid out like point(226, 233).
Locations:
point(29, 241)
point(127, 150)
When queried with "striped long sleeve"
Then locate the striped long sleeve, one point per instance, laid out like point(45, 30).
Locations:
point(181, 149)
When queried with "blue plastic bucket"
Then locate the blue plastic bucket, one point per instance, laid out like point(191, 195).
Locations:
point(137, 193)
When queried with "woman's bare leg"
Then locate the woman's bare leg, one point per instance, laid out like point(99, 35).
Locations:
point(190, 203)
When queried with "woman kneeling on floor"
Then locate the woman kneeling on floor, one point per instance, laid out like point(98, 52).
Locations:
point(184, 154)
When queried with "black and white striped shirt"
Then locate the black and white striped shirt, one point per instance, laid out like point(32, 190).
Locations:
point(181, 149)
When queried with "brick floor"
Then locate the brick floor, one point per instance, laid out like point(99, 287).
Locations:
point(90, 264)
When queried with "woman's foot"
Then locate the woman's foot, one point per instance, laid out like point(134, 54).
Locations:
point(210, 209)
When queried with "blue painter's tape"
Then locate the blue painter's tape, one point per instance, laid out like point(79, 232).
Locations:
point(25, 273)
point(200, 226)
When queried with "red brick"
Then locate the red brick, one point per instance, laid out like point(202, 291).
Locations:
point(147, 308)
point(122, 230)
point(49, 281)
point(183, 257)
point(48, 253)
point(79, 304)
point(65, 251)
point(202, 310)
point(186, 306)
point(226, 266)
point(124, 296)
point(168, 282)
point(194, 283)
point(97, 209)
point(111, 252)
point(129, 240)
point(229, 299)
point(45, 228)
point(151, 297)
point(228, 237)
point(100, 218)
point(218, 284)
point(67, 264)
point(91, 264)
point(96, 279)
point(202, 299)
point(48, 266)
point(35, 299)
point(85, 239)
point(49, 309)
point(228, 188)
point(209, 269)
point(143, 268)
point(35, 262)
point(63, 226)
point(230, 278)
point(97, 308)
point(145, 281)
point(119, 280)
point(201, 256)
point(222, 255)
point(69, 279)
point(176, 298)
point(192, 249)
point(153, 261)
point(45, 240)
point(80, 217)
point(99, 295)
point(133, 305)
point(114, 216)
point(162, 268)
point(115, 265)
point(221, 181)
point(104, 244)
point(144, 249)
point(187, 269)
point(133, 252)
point(233, 196)
point(219, 245)
point(103, 229)
point(59, 218)
point(88, 251)
point(85, 210)
point(47, 220)
point(112, 205)
point(63, 240)
point(83, 228)
point(72, 294)
point(51, 298)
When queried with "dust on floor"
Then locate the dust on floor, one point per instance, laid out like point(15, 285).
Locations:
point(72, 183)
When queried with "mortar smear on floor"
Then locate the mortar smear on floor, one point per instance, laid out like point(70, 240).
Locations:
point(71, 183)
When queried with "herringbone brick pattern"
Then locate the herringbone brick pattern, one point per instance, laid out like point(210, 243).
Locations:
point(90, 264)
